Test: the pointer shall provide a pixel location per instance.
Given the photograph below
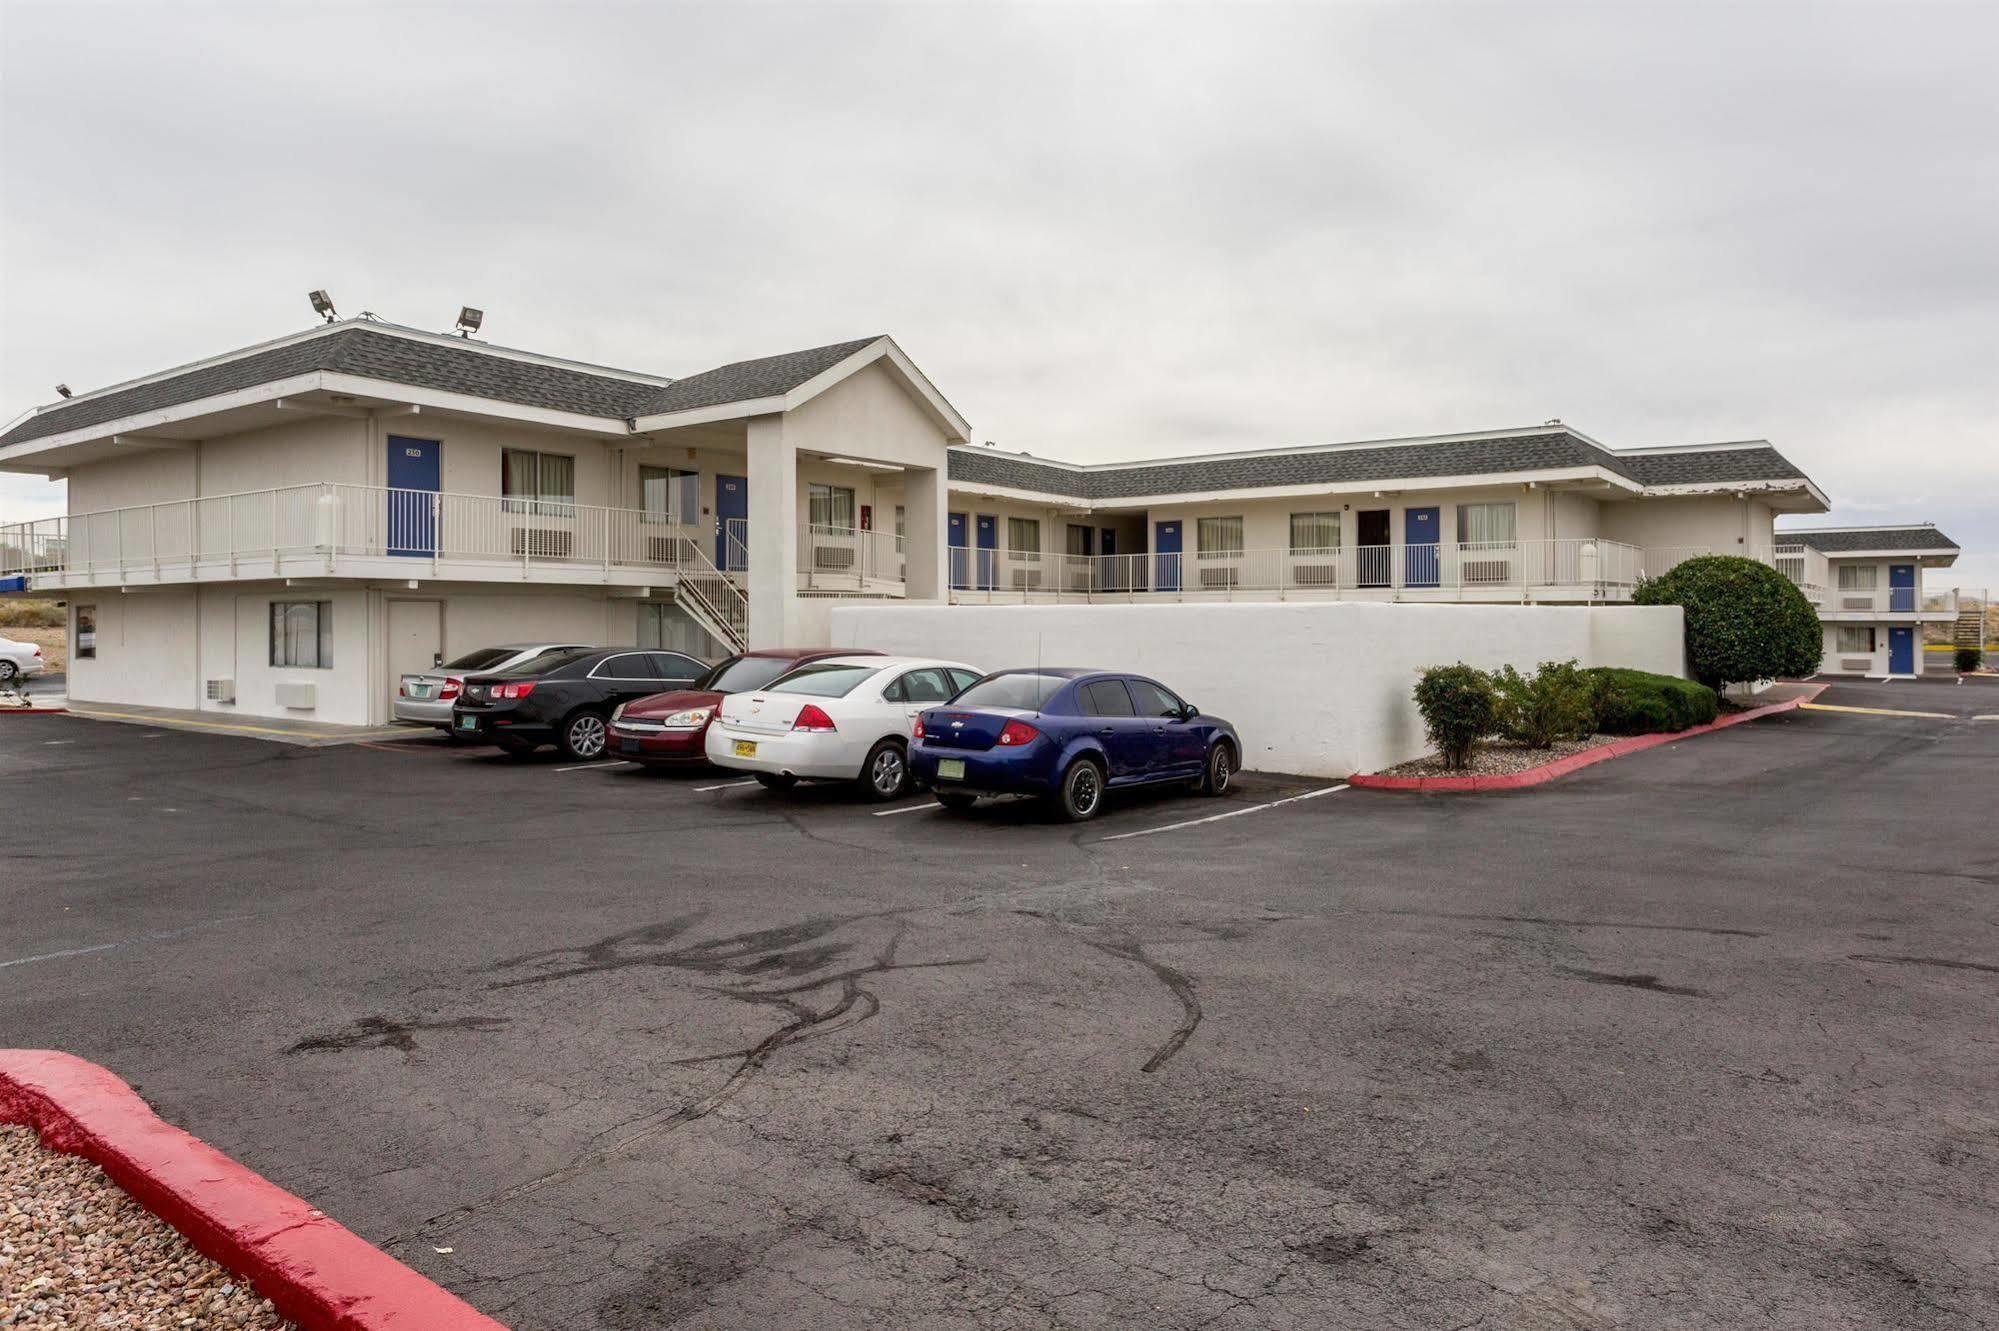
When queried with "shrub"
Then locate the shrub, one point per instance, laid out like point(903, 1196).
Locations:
point(1557, 702)
point(1967, 660)
point(1458, 706)
point(1636, 702)
point(1745, 620)
point(32, 615)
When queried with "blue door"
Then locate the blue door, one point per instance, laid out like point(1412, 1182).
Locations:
point(1419, 547)
point(732, 504)
point(412, 477)
point(1901, 651)
point(1166, 556)
point(1902, 587)
point(961, 558)
point(988, 527)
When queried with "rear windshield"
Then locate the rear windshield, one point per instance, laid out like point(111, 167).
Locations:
point(483, 659)
point(547, 661)
point(1029, 692)
point(744, 673)
point(824, 681)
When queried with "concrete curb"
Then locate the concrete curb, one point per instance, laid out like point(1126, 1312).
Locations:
point(1546, 772)
point(315, 1271)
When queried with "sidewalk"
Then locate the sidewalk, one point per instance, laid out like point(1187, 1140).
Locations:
point(277, 730)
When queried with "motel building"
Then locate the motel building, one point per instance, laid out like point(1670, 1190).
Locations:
point(1867, 583)
point(285, 529)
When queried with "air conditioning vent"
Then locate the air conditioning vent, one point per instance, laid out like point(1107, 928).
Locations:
point(297, 695)
point(1316, 575)
point(1486, 571)
point(1226, 576)
point(1857, 603)
point(1026, 578)
point(541, 542)
point(832, 556)
point(1856, 663)
point(222, 690)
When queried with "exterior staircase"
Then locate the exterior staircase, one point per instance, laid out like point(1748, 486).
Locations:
point(1970, 628)
point(712, 598)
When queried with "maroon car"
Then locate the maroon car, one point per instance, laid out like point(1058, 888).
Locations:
point(671, 729)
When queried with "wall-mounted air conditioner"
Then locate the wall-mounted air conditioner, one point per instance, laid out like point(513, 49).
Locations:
point(222, 690)
point(297, 694)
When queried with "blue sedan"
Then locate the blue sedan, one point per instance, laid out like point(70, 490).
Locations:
point(1068, 736)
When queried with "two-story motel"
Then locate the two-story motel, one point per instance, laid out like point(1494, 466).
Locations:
point(1867, 583)
point(284, 529)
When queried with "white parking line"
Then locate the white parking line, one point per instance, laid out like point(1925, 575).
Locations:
point(909, 808)
point(584, 767)
point(726, 785)
point(1233, 813)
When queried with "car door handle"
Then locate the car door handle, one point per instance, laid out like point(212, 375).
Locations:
point(1108, 730)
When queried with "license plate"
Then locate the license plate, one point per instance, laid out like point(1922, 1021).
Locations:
point(468, 723)
point(951, 769)
point(419, 690)
point(746, 748)
point(628, 746)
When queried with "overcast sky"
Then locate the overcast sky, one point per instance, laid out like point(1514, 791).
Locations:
point(1105, 232)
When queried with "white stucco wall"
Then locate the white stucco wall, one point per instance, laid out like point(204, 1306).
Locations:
point(145, 649)
point(1319, 688)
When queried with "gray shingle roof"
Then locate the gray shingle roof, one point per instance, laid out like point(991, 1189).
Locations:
point(1499, 456)
point(748, 380)
point(370, 354)
point(1833, 542)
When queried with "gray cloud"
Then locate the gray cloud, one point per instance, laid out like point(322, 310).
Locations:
point(1107, 232)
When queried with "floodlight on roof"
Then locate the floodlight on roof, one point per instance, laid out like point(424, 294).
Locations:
point(322, 305)
point(469, 320)
point(62, 390)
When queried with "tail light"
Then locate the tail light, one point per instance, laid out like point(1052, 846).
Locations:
point(38, 649)
point(518, 690)
point(450, 690)
point(1018, 732)
point(916, 731)
point(811, 717)
point(402, 688)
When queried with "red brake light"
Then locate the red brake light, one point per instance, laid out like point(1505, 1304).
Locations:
point(916, 731)
point(810, 717)
point(519, 690)
point(1018, 732)
point(402, 688)
point(450, 689)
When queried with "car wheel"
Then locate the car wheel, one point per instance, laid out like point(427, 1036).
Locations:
point(1221, 771)
point(583, 737)
point(885, 775)
point(957, 801)
point(776, 780)
point(8, 670)
point(1081, 793)
point(515, 748)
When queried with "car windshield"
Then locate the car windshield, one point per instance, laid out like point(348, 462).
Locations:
point(1028, 691)
point(483, 659)
point(743, 673)
point(824, 681)
point(547, 661)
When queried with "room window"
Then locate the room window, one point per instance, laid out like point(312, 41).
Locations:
point(1488, 525)
point(1023, 538)
point(532, 482)
point(1315, 533)
point(86, 633)
point(1218, 538)
point(830, 506)
point(302, 634)
point(1858, 577)
point(1082, 541)
point(669, 494)
point(1853, 638)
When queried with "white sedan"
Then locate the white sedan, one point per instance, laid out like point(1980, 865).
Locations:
point(19, 660)
point(840, 718)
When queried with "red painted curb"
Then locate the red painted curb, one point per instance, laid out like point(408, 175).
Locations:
point(34, 711)
point(1535, 776)
point(315, 1271)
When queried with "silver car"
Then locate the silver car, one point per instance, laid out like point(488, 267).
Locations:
point(426, 698)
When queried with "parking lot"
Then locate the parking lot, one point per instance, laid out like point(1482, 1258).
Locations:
point(1702, 1037)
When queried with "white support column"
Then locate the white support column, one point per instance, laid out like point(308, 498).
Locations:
point(925, 522)
point(774, 519)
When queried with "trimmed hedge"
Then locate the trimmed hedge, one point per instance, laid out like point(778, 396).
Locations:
point(1459, 706)
point(1745, 620)
point(1636, 702)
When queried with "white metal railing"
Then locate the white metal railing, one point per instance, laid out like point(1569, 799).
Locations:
point(848, 559)
point(1587, 569)
point(330, 519)
point(1805, 567)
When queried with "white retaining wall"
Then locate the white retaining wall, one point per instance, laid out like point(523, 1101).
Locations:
point(1316, 688)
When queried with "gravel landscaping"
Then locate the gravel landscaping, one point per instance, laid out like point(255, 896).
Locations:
point(1500, 757)
point(76, 1252)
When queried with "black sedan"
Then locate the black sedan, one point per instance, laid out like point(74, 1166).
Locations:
point(564, 697)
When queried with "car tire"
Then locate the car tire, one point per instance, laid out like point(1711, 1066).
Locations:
point(776, 780)
point(515, 748)
point(583, 737)
point(957, 801)
point(1220, 771)
point(8, 670)
point(1081, 794)
point(885, 774)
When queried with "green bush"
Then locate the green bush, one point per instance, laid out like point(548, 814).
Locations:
point(1458, 706)
point(1967, 660)
point(1556, 702)
point(1636, 702)
point(1745, 620)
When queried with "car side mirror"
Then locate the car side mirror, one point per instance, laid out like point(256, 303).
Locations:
point(1188, 711)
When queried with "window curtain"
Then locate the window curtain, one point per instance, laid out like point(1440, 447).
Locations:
point(1315, 533)
point(1486, 524)
point(669, 494)
point(517, 479)
point(558, 485)
point(1857, 577)
point(1219, 538)
point(302, 634)
point(1854, 638)
point(1023, 536)
point(830, 506)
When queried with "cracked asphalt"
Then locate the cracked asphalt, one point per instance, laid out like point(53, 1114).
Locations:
point(1703, 1037)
